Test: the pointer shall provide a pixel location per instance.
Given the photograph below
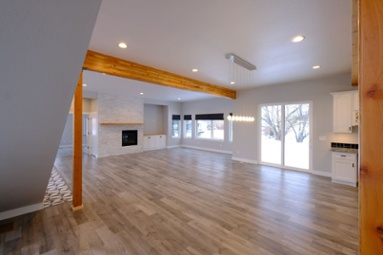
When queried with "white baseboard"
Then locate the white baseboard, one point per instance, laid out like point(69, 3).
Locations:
point(173, 146)
point(206, 149)
point(156, 148)
point(353, 184)
point(250, 161)
point(320, 173)
point(21, 210)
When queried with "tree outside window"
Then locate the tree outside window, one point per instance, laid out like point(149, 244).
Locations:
point(187, 123)
point(210, 126)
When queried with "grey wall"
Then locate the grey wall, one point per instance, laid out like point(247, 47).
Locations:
point(154, 119)
point(67, 136)
point(42, 49)
point(170, 108)
point(245, 145)
point(216, 105)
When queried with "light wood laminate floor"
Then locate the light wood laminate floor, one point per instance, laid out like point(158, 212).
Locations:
point(190, 202)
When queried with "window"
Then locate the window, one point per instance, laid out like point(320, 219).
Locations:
point(187, 126)
point(176, 125)
point(210, 126)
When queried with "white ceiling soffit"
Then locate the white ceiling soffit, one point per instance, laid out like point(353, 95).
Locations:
point(177, 36)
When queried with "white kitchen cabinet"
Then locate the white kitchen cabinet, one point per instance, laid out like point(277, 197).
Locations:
point(154, 142)
point(344, 168)
point(345, 111)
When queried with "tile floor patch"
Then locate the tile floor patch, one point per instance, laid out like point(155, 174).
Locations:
point(57, 191)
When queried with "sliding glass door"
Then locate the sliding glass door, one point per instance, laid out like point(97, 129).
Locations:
point(271, 144)
point(285, 135)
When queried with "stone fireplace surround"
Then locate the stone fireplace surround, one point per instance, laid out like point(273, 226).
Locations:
point(122, 111)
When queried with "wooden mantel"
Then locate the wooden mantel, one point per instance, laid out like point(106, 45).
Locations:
point(102, 63)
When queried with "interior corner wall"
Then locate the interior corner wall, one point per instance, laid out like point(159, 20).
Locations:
point(216, 105)
point(43, 46)
point(246, 135)
point(154, 119)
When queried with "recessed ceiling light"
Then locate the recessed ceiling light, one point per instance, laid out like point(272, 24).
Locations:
point(179, 99)
point(298, 38)
point(141, 93)
point(316, 67)
point(195, 70)
point(232, 82)
point(122, 45)
point(84, 85)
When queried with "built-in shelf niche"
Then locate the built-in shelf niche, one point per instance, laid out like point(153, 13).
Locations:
point(154, 119)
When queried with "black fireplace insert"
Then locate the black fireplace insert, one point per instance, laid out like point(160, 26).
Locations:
point(129, 137)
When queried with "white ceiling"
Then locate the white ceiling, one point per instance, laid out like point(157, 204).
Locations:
point(97, 82)
point(179, 35)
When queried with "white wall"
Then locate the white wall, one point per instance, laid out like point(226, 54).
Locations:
point(216, 105)
point(86, 105)
point(43, 46)
point(245, 145)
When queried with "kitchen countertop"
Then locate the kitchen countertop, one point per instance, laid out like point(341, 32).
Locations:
point(344, 150)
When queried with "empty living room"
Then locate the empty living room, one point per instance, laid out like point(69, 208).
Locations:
point(191, 127)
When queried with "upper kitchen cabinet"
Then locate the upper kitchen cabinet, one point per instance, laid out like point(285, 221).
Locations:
point(345, 111)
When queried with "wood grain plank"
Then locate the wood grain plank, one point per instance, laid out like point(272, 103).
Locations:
point(371, 128)
point(184, 201)
point(355, 43)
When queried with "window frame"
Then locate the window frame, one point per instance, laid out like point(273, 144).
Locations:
point(187, 121)
point(210, 118)
point(176, 122)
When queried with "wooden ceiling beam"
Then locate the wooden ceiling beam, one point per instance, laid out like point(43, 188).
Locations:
point(102, 63)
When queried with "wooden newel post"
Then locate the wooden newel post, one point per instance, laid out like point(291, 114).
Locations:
point(77, 147)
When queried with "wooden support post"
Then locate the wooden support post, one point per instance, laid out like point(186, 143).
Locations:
point(77, 147)
point(371, 127)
